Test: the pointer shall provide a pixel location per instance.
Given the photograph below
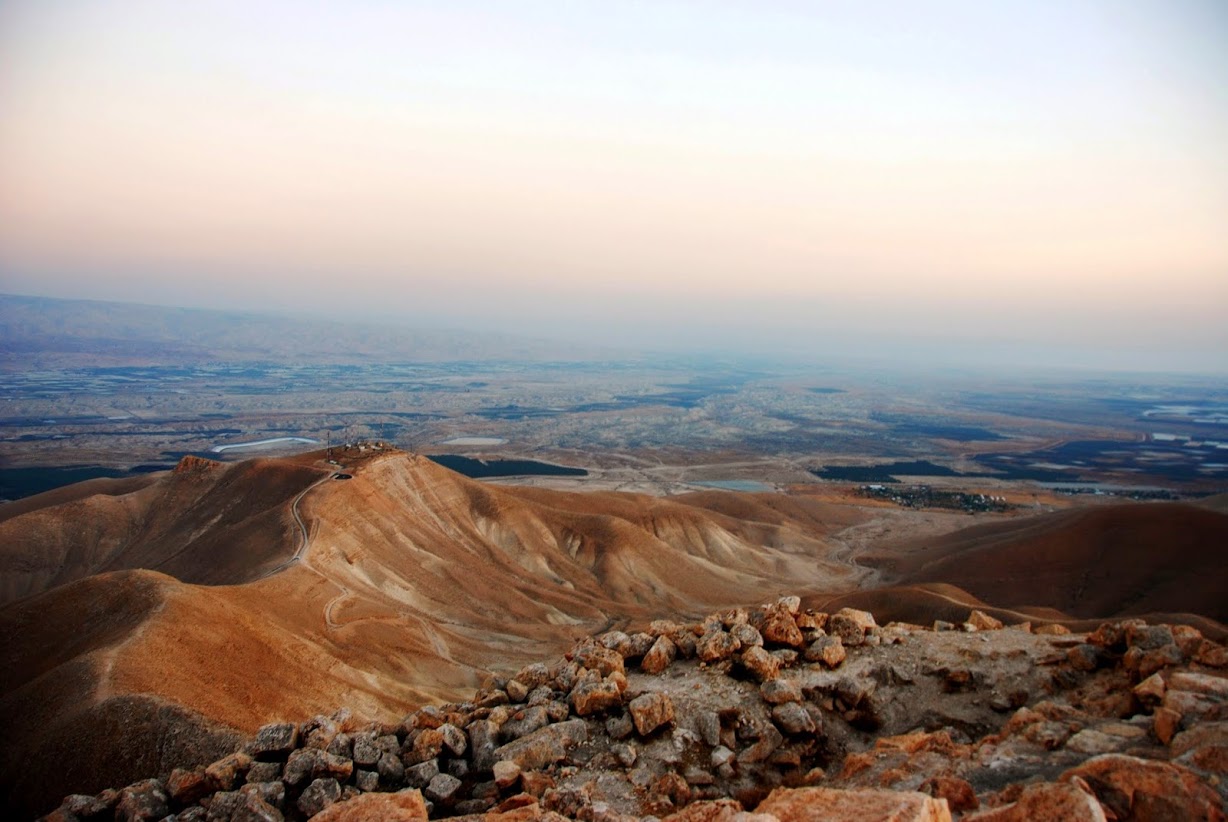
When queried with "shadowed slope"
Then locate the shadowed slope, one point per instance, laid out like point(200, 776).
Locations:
point(64, 724)
point(925, 603)
point(1100, 562)
point(213, 524)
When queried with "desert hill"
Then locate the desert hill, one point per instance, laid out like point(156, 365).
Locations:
point(1096, 562)
point(415, 581)
point(206, 523)
point(167, 615)
point(788, 713)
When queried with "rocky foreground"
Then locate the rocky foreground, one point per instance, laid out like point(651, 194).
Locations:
point(775, 712)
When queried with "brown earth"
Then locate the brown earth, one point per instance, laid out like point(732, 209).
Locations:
point(213, 526)
point(180, 609)
point(1097, 562)
point(416, 581)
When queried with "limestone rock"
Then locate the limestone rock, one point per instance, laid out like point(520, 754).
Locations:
point(454, 741)
point(803, 804)
point(420, 775)
point(958, 793)
point(780, 628)
point(507, 773)
point(483, 737)
point(186, 787)
point(826, 649)
point(1044, 802)
point(793, 719)
point(403, 806)
point(1165, 724)
point(761, 665)
point(141, 801)
point(746, 634)
point(365, 752)
point(599, 659)
point(1134, 788)
point(715, 646)
point(226, 772)
point(275, 741)
point(591, 697)
point(391, 769)
point(313, 763)
point(851, 625)
point(443, 788)
point(983, 621)
point(1211, 654)
point(777, 691)
point(318, 732)
point(650, 711)
point(659, 657)
point(318, 795)
point(517, 691)
point(544, 747)
point(1151, 690)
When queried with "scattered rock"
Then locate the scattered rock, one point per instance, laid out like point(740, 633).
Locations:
point(507, 773)
point(761, 665)
point(599, 659)
point(851, 625)
point(659, 657)
point(958, 793)
point(716, 646)
point(780, 628)
point(863, 805)
point(747, 635)
point(651, 711)
point(186, 787)
point(826, 649)
point(1045, 802)
point(793, 719)
point(1134, 788)
point(591, 697)
point(318, 795)
point(275, 741)
point(403, 806)
point(776, 691)
point(544, 747)
point(982, 621)
point(141, 801)
point(443, 788)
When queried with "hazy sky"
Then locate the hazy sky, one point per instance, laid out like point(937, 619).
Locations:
point(1016, 177)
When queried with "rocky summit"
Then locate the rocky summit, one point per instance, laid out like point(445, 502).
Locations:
point(768, 713)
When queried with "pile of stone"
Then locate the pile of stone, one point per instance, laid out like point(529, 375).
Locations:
point(787, 712)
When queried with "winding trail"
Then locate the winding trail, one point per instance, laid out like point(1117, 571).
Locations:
point(304, 534)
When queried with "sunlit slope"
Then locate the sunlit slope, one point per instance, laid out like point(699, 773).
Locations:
point(415, 581)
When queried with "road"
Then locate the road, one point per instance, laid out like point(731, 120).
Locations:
point(304, 534)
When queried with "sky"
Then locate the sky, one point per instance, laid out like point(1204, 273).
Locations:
point(1037, 181)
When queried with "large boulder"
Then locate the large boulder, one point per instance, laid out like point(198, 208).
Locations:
point(544, 747)
point(822, 804)
point(1134, 788)
point(403, 806)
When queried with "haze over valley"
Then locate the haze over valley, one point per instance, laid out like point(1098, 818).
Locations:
point(680, 411)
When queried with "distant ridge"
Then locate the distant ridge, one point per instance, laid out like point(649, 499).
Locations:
point(49, 332)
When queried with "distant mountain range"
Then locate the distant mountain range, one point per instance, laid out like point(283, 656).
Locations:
point(46, 332)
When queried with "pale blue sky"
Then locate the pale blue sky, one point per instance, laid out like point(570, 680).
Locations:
point(683, 173)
